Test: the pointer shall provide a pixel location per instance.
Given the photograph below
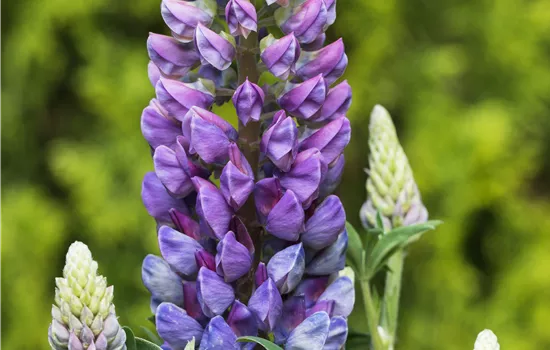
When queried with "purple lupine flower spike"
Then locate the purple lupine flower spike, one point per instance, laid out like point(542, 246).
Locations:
point(241, 17)
point(305, 99)
point(215, 49)
point(248, 100)
point(280, 141)
point(251, 238)
point(182, 17)
point(172, 57)
point(330, 61)
point(280, 55)
point(306, 20)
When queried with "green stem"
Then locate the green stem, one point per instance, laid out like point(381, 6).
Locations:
point(248, 141)
point(372, 316)
point(392, 292)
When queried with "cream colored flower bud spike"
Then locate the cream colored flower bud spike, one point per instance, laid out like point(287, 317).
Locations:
point(486, 340)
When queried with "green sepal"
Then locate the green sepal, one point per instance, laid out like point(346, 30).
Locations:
point(130, 338)
point(142, 344)
point(261, 341)
point(355, 247)
point(392, 240)
point(152, 319)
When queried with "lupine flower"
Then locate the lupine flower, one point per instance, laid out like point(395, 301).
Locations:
point(215, 49)
point(248, 100)
point(306, 20)
point(391, 188)
point(241, 17)
point(182, 17)
point(486, 340)
point(330, 61)
point(280, 55)
point(252, 240)
point(84, 314)
point(172, 57)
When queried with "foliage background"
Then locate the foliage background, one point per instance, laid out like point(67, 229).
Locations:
point(468, 83)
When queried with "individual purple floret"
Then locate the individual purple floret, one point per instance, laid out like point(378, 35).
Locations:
point(251, 237)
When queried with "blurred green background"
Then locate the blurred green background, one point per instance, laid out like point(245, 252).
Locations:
point(467, 81)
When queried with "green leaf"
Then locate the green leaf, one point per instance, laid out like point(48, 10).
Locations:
point(152, 335)
point(130, 338)
point(355, 247)
point(392, 240)
point(142, 344)
point(263, 342)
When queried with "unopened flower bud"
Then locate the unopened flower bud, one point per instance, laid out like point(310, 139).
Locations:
point(486, 340)
point(241, 17)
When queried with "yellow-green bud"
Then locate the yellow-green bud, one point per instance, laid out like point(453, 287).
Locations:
point(83, 314)
point(391, 189)
point(486, 340)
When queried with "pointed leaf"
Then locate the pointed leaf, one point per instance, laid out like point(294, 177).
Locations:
point(263, 342)
point(355, 247)
point(392, 240)
point(142, 344)
point(130, 338)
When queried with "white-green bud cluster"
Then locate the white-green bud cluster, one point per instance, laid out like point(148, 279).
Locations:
point(486, 340)
point(391, 188)
point(83, 314)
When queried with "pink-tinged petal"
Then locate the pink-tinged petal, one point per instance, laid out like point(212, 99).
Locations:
point(241, 320)
point(261, 274)
point(267, 193)
point(191, 302)
point(204, 259)
point(185, 224)
point(311, 289)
